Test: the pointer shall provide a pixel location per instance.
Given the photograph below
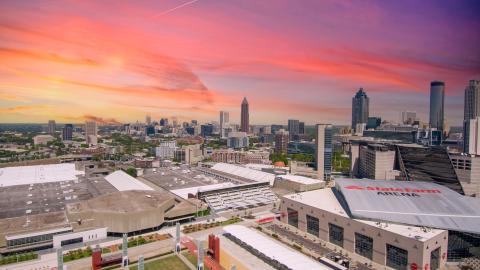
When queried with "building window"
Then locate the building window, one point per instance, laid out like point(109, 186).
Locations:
point(435, 259)
point(364, 245)
point(292, 217)
point(312, 225)
point(397, 258)
point(335, 234)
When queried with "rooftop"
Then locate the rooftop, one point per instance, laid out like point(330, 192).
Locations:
point(25, 175)
point(33, 223)
point(273, 249)
point(247, 173)
point(411, 202)
point(123, 181)
point(122, 202)
point(300, 179)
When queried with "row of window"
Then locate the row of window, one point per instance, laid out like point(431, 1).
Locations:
point(33, 239)
point(397, 258)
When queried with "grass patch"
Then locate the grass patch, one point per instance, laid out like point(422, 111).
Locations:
point(170, 263)
point(77, 254)
point(21, 257)
point(193, 259)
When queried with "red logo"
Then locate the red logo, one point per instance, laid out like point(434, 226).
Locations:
point(413, 266)
point(392, 189)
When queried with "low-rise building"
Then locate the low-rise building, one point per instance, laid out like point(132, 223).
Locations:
point(377, 162)
point(189, 154)
point(42, 139)
point(166, 149)
point(297, 183)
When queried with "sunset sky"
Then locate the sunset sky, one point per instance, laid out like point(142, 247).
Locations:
point(117, 61)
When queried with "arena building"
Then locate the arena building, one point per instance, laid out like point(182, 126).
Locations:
point(394, 223)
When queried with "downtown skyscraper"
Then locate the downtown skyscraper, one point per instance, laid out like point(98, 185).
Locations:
point(437, 105)
point(471, 133)
point(51, 127)
point(224, 120)
point(244, 116)
point(360, 108)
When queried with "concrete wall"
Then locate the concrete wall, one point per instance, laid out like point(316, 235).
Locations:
point(118, 222)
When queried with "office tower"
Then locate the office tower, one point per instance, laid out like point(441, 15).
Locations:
point(281, 141)
point(472, 100)
point(360, 105)
point(376, 162)
point(194, 122)
point(237, 140)
point(166, 149)
point(301, 128)
point(162, 122)
point(471, 111)
point(373, 122)
point(206, 130)
point(224, 119)
point(408, 118)
point(150, 130)
point(148, 119)
point(471, 137)
point(437, 102)
point(174, 121)
point(51, 127)
point(245, 117)
point(323, 150)
point(67, 132)
point(91, 132)
point(293, 128)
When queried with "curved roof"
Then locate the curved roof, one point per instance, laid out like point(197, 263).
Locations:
point(123, 181)
point(414, 203)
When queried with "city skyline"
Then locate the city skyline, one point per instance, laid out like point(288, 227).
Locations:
point(116, 63)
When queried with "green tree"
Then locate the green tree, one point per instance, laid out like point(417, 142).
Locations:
point(131, 171)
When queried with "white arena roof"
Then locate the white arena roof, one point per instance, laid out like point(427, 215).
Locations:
point(326, 199)
point(251, 174)
point(411, 202)
point(183, 192)
point(274, 250)
point(26, 175)
point(123, 181)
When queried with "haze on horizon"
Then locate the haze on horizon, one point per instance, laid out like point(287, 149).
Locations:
point(122, 60)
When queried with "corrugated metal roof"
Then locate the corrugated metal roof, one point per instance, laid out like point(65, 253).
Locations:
point(251, 174)
point(415, 203)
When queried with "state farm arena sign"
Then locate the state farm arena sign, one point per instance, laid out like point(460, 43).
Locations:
point(409, 202)
point(394, 191)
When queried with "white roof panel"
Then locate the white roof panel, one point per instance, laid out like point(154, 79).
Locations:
point(251, 174)
point(411, 202)
point(301, 179)
point(123, 182)
point(25, 175)
point(274, 250)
